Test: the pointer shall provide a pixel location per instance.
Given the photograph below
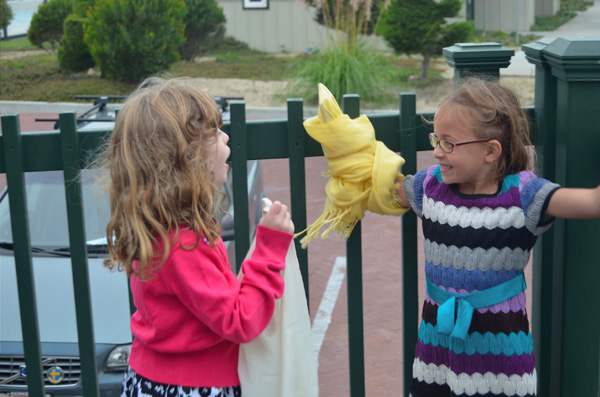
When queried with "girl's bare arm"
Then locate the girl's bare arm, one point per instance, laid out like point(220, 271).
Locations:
point(575, 203)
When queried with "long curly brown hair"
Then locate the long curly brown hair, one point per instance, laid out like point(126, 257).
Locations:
point(159, 179)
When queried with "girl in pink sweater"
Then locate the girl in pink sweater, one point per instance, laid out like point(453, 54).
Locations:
point(167, 159)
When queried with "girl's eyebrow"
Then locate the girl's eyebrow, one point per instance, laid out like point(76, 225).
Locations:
point(443, 137)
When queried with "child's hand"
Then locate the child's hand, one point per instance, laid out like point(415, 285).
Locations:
point(401, 195)
point(276, 217)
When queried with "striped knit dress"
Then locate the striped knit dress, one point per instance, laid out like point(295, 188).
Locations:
point(474, 242)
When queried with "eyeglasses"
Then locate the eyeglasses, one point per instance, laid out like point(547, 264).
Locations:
point(448, 146)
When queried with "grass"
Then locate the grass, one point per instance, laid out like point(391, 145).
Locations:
point(249, 66)
point(343, 69)
point(16, 45)
point(548, 24)
point(505, 39)
point(37, 77)
point(568, 10)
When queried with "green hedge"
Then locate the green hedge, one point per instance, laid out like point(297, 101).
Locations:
point(131, 39)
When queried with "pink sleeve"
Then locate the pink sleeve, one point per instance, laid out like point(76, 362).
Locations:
point(237, 311)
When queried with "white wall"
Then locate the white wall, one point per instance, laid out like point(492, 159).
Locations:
point(546, 8)
point(286, 26)
point(289, 26)
point(497, 15)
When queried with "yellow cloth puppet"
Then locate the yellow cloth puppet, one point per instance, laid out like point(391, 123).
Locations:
point(363, 170)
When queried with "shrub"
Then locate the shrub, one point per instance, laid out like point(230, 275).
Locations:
point(47, 23)
point(81, 6)
point(129, 40)
point(6, 15)
point(344, 69)
point(74, 55)
point(204, 25)
point(419, 27)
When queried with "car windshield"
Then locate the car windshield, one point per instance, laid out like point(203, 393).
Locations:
point(47, 212)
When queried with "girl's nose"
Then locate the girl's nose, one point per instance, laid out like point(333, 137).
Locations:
point(225, 135)
point(438, 152)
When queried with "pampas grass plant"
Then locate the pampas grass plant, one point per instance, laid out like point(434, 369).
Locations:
point(346, 64)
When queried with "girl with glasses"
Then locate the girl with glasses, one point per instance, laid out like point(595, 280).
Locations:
point(482, 209)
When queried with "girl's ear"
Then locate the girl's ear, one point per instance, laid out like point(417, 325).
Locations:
point(493, 152)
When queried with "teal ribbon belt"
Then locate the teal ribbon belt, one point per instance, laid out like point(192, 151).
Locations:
point(466, 303)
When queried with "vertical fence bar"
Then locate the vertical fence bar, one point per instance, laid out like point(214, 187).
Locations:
point(296, 134)
point(238, 141)
point(78, 248)
point(547, 344)
point(410, 278)
point(576, 64)
point(17, 196)
point(351, 105)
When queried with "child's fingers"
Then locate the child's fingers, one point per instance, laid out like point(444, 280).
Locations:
point(278, 218)
point(289, 224)
point(276, 207)
point(266, 205)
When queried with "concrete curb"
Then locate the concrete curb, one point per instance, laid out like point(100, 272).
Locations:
point(16, 107)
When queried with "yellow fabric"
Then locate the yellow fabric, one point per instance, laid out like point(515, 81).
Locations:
point(363, 170)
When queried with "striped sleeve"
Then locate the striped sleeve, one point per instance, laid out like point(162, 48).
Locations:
point(535, 195)
point(414, 185)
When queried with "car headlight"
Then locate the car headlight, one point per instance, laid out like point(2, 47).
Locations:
point(118, 358)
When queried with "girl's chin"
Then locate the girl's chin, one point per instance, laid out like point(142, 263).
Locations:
point(447, 179)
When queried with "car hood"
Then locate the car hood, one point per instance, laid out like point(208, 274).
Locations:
point(56, 303)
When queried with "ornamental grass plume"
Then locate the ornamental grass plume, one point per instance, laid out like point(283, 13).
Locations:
point(346, 61)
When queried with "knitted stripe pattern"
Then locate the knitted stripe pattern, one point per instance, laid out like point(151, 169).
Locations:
point(475, 242)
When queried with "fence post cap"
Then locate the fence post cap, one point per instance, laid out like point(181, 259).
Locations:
point(535, 48)
point(574, 58)
point(478, 55)
point(571, 48)
point(479, 50)
point(533, 51)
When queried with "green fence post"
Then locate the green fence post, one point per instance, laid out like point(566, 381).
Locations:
point(351, 105)
point(238, 143)
point(410, 277)
point(575, 62)
point(483, 59)
point(547, 289)
point(17, 199)
point(297, 171)
point(78, 249)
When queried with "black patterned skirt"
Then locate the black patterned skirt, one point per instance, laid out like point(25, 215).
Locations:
point(135, 385)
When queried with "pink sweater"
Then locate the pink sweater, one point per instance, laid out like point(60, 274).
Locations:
point(193, 315)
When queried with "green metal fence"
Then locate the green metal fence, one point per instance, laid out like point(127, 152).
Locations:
point(287, 139)
point(566, 323)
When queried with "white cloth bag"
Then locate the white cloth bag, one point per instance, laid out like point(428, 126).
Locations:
point(281, 362)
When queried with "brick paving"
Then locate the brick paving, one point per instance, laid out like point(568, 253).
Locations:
point(382, 281)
